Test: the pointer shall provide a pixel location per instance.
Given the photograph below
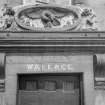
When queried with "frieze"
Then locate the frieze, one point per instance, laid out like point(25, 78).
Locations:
point(46, 17)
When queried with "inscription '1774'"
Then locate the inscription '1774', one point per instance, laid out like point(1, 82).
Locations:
point(49, 67)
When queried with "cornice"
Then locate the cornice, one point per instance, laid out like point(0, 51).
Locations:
point(52, 35)
point(22, 42)
point(52, 38)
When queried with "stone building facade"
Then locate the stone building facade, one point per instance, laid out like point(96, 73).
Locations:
point(48, 64)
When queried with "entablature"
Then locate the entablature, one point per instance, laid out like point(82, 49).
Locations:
point(52, 39)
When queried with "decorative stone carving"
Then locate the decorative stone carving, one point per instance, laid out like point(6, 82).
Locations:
point(6, 17)
point(88, 19)
point(47, 18)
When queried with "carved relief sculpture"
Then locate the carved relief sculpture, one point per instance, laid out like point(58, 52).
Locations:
point(46, 17)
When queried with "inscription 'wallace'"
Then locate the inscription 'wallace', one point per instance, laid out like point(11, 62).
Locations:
point(49, 67)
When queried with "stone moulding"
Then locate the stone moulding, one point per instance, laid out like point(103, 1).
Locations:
point(53, 13)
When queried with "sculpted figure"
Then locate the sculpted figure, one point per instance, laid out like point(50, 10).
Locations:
point(7, 17)
point(49, 19)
